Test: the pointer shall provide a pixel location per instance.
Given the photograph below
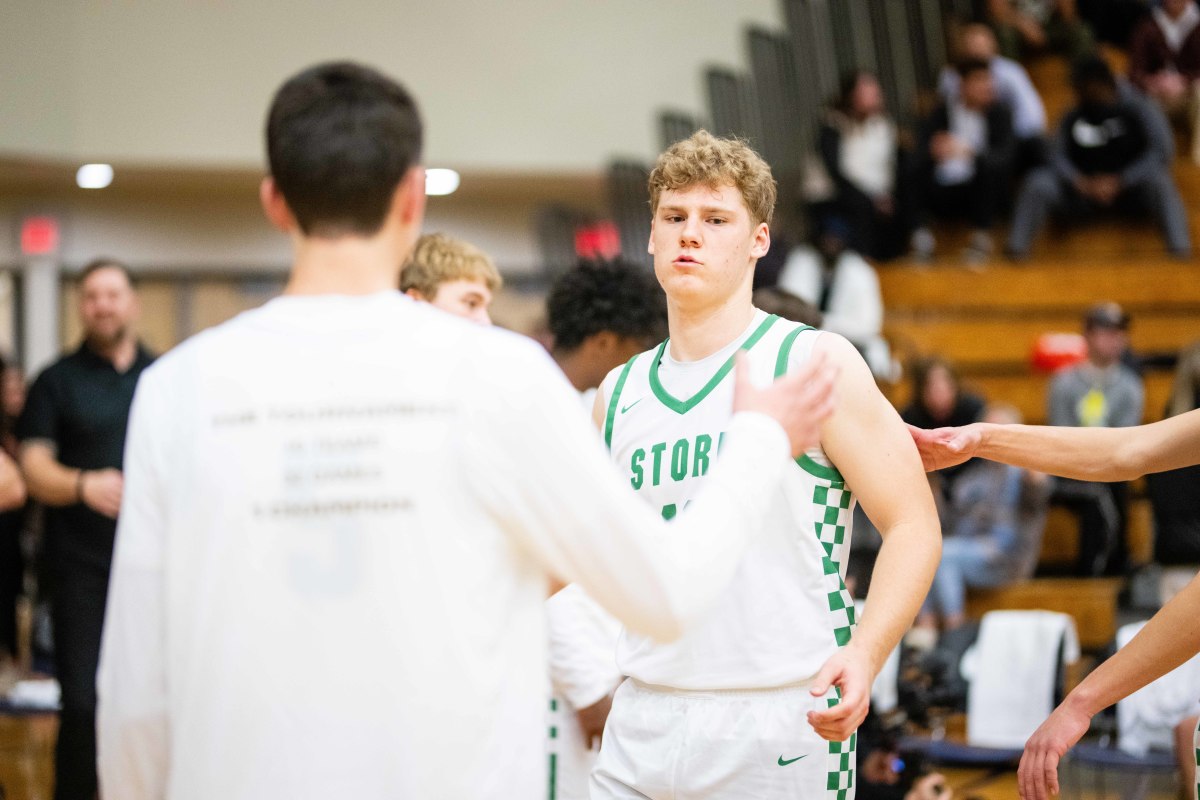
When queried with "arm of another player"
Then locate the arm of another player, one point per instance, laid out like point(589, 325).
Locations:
point(871, 448)
point(1169, 639)
point(1090, 454)
point(540, 471)
point(131, 724)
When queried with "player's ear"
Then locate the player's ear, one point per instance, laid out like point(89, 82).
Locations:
point(415, 294)
point(274, 206)
point(762, 241)
point(411, 197)
point(602, 343)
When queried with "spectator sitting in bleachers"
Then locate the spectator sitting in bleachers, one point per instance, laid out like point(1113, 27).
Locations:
point(992, 523)
point(1025, 26)
point(938, 400)
point(1100, 392)
point(856, 174)
point(1013, 87)
point(964, 161)
point(1164, 62)
point(843, 287)
point(1105, 157)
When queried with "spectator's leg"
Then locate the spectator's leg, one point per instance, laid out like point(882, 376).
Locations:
point(1099, 522)
point(79, 602)
point(1040, 194)
point(1159, 195)
point(859, 213)
point(1031, 154)
point(12, 570)
point(964, 562)
point(985, 195)
point(1118, 557)
point(1194, 120)
point(1187, 748)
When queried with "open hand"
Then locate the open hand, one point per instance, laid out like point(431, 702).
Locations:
point(849, 670)
point(946, 447)
point(1037, 777)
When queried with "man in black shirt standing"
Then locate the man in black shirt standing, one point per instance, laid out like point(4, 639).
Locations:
point(1103, 159)
point(72, 434)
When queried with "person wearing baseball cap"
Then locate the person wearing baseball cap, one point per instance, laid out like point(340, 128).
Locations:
point(1099, 392)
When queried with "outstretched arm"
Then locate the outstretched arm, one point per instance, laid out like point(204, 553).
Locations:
point(1090, 454)
point(1170, 638)
point(866, 440)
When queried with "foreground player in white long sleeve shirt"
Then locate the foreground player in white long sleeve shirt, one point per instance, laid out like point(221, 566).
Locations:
point(340, 511)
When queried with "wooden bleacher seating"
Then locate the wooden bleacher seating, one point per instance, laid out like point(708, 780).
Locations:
point(1060, 540)
point(1091, 601)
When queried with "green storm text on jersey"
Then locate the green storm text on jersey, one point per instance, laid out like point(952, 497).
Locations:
point(787, 609)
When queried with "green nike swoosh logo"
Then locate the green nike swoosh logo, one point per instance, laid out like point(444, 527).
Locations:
point(631, 405)
point(783, 763)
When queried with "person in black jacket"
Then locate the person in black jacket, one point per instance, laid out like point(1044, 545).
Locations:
point(964, 161)
point(1103, 159)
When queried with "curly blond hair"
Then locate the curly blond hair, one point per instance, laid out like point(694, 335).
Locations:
point(438, 258)
point(706, 160)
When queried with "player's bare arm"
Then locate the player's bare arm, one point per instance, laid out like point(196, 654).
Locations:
point(1170, 638)
point(867, 441)
point(1091, 454)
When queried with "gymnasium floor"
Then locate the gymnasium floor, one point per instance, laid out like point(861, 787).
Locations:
point(27, 750)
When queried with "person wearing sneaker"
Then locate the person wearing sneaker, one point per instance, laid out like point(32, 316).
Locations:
point(964, 162)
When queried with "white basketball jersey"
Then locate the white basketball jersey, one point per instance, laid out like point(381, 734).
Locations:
point(787, 610)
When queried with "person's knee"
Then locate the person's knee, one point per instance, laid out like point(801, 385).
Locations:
point(1041, 184)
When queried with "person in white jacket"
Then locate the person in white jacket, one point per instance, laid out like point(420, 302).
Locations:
point(844, 287)
point(342, 509)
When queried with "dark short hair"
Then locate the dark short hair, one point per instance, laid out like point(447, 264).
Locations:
point(340, 138)
point(783, 303)
point(599, 296)
point(970, 66)
point(97, 264)
point(1092, 71)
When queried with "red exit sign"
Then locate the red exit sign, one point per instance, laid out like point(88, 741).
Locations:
point(39, 236)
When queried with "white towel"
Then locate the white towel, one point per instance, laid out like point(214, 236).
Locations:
point(1146, 719)
point(35, 693)
point(1016, 662)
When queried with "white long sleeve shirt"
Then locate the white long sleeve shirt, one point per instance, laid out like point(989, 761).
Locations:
point(331, 559)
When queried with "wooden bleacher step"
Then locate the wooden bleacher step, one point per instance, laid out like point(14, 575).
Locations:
point(1091, 601)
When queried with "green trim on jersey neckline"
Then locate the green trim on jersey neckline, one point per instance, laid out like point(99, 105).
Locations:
point(611, 417)
point(684, 406)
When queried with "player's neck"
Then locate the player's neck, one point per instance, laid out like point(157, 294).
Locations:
point(573, 366)
point(698, 332)
point(348, 265)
